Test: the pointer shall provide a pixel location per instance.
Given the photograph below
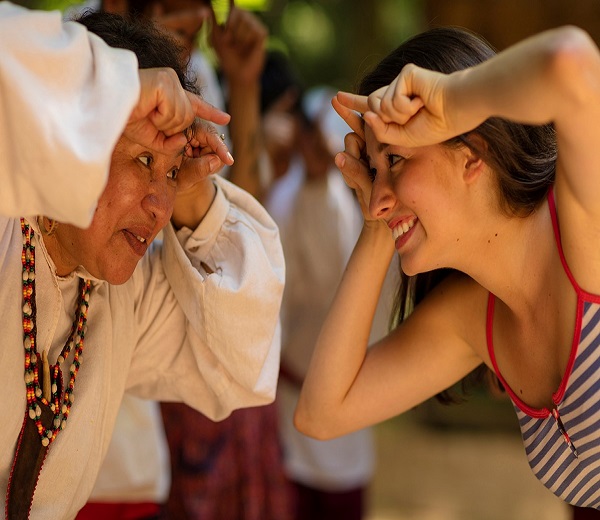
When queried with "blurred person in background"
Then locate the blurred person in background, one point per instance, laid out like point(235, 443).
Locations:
point(135, 477)
point(231, 469)
point(281, 90)
point(319, 221)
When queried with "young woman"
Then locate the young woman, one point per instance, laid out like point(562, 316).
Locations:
point(481, 171)
point(152, 319)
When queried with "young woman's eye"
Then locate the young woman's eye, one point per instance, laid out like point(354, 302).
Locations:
point(173, 173)
point(393, 158)
point(372, 173)
point(146, 160)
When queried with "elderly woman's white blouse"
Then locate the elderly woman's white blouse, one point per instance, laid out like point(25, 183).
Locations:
point(172, 332)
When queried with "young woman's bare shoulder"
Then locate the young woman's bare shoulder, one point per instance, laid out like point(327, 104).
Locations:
point(462, 303)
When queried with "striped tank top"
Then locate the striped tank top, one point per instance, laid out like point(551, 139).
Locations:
point(563, 444)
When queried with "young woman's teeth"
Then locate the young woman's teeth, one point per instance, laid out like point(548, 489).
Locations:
point(141, 239)
point(400, 229)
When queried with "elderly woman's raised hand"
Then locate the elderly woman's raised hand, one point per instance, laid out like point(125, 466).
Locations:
point(164, 110)
point(205, 154)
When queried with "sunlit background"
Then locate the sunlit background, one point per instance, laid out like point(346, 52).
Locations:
point(334, 41)
point(465, 462)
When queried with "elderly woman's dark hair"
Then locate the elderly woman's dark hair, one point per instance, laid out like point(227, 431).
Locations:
point(523, 157)
point(153, 47)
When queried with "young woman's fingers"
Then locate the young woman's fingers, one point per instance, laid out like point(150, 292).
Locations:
point(353, 165)
point(395, 103)
point(354, 145)
point(355, 174)
point(351, 117)
point(399, 109)
point(354, 102)
point(388, 133)
point(350, 168)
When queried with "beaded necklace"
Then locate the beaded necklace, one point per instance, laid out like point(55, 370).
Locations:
point(50, 392)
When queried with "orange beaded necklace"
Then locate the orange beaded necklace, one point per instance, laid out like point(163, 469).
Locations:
point(48, 406)
point(52, 379)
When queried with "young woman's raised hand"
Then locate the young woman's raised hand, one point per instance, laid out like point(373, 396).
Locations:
point(351, 162)
point(411, 111)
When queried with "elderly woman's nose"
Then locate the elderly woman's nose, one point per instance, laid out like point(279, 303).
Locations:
point(159, 201)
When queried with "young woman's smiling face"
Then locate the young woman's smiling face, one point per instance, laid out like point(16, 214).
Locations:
point(135, 205)
point(417, 192)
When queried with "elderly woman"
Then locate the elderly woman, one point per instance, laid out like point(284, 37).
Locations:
point(191, 319)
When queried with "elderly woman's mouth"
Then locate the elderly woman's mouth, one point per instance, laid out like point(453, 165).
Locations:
point(138, 243)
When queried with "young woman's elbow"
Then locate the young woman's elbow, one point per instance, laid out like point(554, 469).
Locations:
point(574, 60)
point(311, 425)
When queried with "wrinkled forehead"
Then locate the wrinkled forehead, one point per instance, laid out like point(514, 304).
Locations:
point(126, 146)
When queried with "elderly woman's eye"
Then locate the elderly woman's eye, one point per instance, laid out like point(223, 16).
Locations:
point(172, 174)
point(146, 160)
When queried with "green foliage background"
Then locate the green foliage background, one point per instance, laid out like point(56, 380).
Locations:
point(331, 42)
point(335, 41)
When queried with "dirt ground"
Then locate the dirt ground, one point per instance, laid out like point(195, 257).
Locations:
point(457, 463)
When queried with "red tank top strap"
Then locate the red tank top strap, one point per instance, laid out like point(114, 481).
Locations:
point(489, 331)
point(558, 395)
point(489, 326)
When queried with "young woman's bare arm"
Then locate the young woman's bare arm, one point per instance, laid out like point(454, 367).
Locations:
point(347, 386)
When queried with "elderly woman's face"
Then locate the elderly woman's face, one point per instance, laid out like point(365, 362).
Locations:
point(135, 205)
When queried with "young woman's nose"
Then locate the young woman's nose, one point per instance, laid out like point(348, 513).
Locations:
point(382, 196)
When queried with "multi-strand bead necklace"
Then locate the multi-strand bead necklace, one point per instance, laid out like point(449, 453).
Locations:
point(50, 392)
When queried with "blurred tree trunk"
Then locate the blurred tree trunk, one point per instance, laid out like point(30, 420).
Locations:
point(357, 39)
point(361, 46)
point(504, 22)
